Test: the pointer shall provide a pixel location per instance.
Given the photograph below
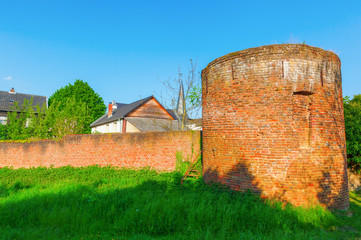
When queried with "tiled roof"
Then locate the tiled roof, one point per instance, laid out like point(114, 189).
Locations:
point(122, 110)
point(197, 122)
point(7, 100)
point(155, 124)
point(172, 113)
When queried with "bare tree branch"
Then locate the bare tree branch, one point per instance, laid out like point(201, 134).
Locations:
point(192, 87)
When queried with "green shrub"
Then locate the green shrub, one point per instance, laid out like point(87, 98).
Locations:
point(181, 164)
point(3, 132)
point(352, 110)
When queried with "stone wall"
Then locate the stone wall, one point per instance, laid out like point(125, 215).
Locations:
point(133, 150)
point(273, 123)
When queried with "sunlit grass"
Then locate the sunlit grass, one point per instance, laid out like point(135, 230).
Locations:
point(109, 203)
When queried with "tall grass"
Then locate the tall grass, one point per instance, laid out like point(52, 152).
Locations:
point(110, 203)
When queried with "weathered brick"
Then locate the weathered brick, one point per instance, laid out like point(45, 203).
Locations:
point(273, 122)
point(134, 150)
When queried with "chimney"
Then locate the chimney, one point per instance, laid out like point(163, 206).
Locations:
point(110, 110)
point(114, 104)
point(12, 90)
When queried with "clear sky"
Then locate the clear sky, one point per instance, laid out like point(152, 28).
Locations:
point(124, 48)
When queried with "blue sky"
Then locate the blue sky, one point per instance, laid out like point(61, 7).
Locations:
point(123, 49)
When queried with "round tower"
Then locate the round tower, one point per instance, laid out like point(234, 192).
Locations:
point(273, 123)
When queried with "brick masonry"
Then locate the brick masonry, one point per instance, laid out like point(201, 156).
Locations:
point(133, 150)
point(273, 123)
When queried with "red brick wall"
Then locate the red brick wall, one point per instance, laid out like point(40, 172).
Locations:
point(273, 122)
point(154, 149)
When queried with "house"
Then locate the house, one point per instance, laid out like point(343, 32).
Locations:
point(195, 124)
point(7, 100)
point(145, 115)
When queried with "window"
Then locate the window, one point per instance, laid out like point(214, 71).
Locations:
point(3, 120)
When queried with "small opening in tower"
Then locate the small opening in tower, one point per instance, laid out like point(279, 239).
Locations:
point(305, 93)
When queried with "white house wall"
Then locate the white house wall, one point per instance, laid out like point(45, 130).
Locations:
point(112, 127)
point(131, 128)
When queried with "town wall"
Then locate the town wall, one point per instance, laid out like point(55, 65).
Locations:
point(132, 150)
point(273, 123)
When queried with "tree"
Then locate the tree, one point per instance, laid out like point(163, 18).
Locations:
point(3, 132)
point(82, 93)
point(20, 118)
point(192, 104)
point(71, 111)
point(352, 111)
point(66, 119)
point(27, 122)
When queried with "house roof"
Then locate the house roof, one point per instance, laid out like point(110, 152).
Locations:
point(7, 100)
point(197, 122)
point(155, 124)
point(122, 110)
point(172, 113)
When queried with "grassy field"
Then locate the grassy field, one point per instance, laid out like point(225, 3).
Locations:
point(109, 203)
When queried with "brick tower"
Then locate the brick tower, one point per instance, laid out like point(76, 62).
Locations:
point(273, 123)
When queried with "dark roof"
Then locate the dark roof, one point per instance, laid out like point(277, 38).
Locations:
point(172, 113)
point(197, 122)
point(122, 110)
point(155, 124)
point(7, 100)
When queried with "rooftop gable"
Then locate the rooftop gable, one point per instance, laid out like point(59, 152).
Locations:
point(124, 110)
point(151, 109)
point(7, 100)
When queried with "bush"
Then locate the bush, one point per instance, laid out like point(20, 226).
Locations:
point(28, 122)
point(3, 132)
point(352, 111)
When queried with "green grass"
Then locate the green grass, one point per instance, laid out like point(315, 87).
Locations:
point(109, 203)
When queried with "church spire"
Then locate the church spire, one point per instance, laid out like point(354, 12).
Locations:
point(181, 110)
point(181, 102)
